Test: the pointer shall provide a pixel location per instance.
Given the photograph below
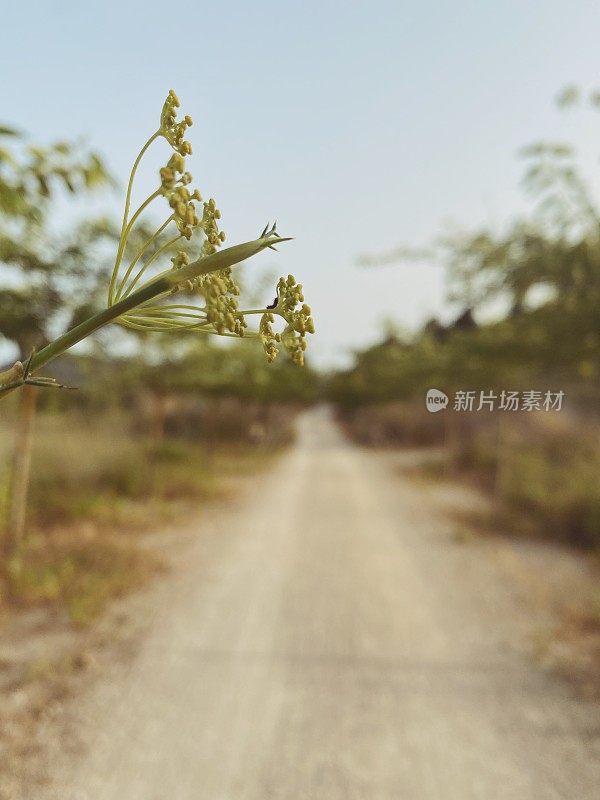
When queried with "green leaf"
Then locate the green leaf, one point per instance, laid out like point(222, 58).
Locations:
point(6, 131)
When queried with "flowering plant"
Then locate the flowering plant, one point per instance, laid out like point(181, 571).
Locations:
point(198, 295)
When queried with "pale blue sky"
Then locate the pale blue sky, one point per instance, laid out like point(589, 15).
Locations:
point(357, 125)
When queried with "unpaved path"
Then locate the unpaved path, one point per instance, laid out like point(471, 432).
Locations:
point(329, 639)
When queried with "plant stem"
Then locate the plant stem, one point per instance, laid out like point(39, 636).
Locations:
point(125, 291)
point(104, 317)
point(161, 285)
point(138, 255)
point(113, 278)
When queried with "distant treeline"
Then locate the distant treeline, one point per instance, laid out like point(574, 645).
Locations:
point(548, 338)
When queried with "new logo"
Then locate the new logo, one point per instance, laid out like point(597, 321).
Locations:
point(435, 400)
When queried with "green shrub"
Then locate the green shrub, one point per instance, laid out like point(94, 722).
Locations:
point(559, 484)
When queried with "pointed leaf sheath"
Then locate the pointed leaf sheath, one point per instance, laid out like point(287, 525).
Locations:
point(222, 259)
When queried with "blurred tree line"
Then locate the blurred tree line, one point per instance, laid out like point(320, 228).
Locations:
point(544, 272)
point(527, 317)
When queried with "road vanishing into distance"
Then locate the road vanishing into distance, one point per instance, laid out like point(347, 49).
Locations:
point(327, 638)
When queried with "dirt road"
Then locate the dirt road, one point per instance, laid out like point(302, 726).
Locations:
point(329, 639)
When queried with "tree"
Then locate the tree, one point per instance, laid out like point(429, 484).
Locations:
point(40, 269)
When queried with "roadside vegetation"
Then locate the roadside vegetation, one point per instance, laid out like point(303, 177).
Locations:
point(102, 480)
point(526, 318)
point(103, 476)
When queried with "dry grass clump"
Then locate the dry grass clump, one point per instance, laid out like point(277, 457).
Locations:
point(78, 573)
point(95, 482)
point(543, 469)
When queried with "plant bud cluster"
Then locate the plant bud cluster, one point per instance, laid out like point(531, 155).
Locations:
point(173, 131)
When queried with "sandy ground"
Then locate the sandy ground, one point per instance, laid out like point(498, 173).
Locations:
point(327, 637)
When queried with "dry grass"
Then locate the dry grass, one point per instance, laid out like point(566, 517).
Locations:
point(541, 468)
point(395, 424)
point(577, 647)
point(95, 485)
point(78, 573)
